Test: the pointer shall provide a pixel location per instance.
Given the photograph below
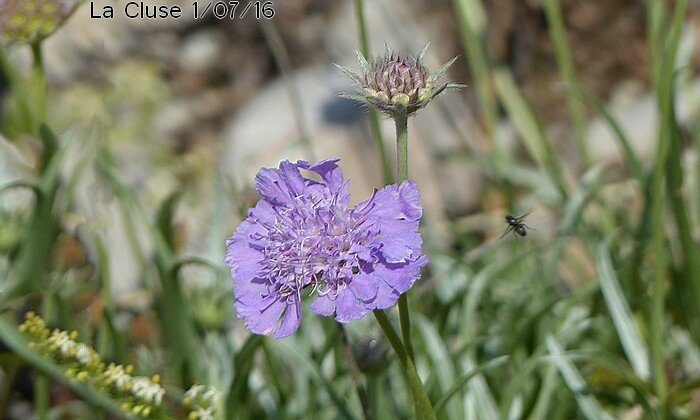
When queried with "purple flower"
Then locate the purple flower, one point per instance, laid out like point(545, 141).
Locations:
point(302, 237)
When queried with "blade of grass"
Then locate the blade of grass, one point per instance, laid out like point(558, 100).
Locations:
point(306, 364)
point(442, 365)
point(464, 379)
point(664, 55)
point(630, 337)
point(690, 273)
point(243, 364)
point(588, 404)
point(471, 18)
point(484, 401)
point(557, 33)
point(42, 228)
point(633, 162)
point(173, 312)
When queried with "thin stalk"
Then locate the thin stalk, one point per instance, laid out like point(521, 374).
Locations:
point(472, 24)
point(402, 147)
point(42, 396)
point(355, 373)
point(664, 86)
point(557, 34)
point(402, 172)
point(38, 57)
point(41, 85)
point(424, 409)
point(42, 386)
point(374, 116)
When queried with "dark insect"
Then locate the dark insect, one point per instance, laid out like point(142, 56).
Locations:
point(516, 225)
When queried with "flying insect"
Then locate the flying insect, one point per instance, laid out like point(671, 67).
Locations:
point(516, 225)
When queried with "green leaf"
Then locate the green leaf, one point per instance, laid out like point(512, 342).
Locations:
point(442, 365)
point(165, 218)
point(464, 379)
point(349, 74)
point(588, 404)
point(630, 337)
point(364, 65)
point(304, 362)
point(439, 73)
point(421, 54)
point(633, 163)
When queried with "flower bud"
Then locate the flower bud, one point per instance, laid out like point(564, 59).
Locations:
point(371, 356)
point(396, 85)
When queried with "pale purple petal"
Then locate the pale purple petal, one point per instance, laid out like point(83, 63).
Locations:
point(280, 186)
point(290, 322)
point(323, 305)
point(349, 307)
point(260, 321)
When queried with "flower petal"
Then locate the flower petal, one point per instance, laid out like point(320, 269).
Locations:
point(394, 211)
point(393, 279)
point(290, 322)
point(364, 287)
point(261, 321)
point(332, 176)
point(280, 186)
point(348, 307)
point(323, 305)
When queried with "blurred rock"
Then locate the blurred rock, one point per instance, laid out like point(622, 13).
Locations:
point(201, 50)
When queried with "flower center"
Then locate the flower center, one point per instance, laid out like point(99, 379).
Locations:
point(316, 243)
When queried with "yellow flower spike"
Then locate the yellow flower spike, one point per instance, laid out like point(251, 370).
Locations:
point(155, 378)
point(73, 335)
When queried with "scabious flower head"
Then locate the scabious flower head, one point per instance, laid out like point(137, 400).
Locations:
point(32, 20)
point(302, 237)
point(396, 85)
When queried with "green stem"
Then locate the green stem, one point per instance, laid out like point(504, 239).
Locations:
point(38, 57)
point(42, 396)
point(402, 172)
point(424, 409)
point(402, 146)
point(664, 88)
point(42, 88)
point(374, 117)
